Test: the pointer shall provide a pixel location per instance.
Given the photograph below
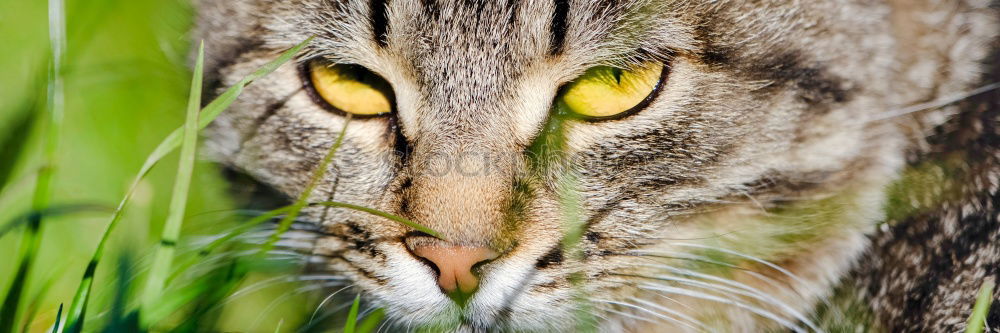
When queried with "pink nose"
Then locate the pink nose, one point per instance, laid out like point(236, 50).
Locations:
point(455, 264)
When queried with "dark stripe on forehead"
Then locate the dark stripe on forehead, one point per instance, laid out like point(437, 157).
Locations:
point(512, 7)
point(559, 26)
point(380, 21)
point(431, 8)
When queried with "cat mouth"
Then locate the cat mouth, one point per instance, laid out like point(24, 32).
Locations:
point(413, 297)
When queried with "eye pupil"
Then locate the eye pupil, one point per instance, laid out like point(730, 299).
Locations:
point(349, 88)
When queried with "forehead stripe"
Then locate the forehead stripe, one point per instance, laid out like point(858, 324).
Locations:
point(380, 21)
point(558, 26)
point(431, 8)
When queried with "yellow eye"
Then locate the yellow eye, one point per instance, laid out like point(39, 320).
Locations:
point(351, 88)
point(604, 91)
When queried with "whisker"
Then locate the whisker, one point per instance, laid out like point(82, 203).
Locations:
point(284, 297)
point(730, 291)
point(702, 259)
point(598, 315)
point(761, 294)
point(657, 314)
point(327, 299)
point(381, 326)
point(654, 238)
point(746, 256)
point(233, 212)
point(322, 277)
point(270, 282)
point(676, 301)
point(268, 226)
point(941, 102)
point(216, 261)
point(700, 295)
point(629, 315)
point(674, 312)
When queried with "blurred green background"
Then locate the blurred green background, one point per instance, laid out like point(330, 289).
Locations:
point(126, 85)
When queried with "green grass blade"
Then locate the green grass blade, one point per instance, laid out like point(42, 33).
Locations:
point(120, 319)
point(51, 211)
point(43, 185)
point(15, 134)
point(241, 229)
point(39, 297)
point(982, 307)
point(244, 227)
point(8, 311)
point(213, 109)
point(379, 213)
point(370, 323)
point(203, 296)
point(175, 300)
point(77, 309)
point(182, 184)
point(286, 222)
point(13, 140)
point(352, 316)
point(55, 326)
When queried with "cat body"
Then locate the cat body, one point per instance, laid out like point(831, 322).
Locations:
point(778, 158)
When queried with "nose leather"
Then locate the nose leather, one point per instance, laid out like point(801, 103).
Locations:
point(455, 264)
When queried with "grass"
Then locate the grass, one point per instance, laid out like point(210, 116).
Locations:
point(391, 217)
point(352, 316)
point(303, 199)
point(34, 298)
point(192, 303)
point(85, 110)
point(982, 307)
point(31, 240)
point(196, 121)
point(178, 202)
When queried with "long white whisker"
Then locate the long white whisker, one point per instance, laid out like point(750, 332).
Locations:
point(600, 316)
point(675, 301)
point(688, 256)
point(284, 297)
point(746, 256)
point(327, 299)
point(941, 102)
point(334, 310)
point(729, 293)
point(258, 286)
point(640, 308)
point(761, 295)
point(630, 316)
point(215, 261)
point(322, 277)
point(751, 293)
point(709, 297)
point(381, 326)
point(673, 312)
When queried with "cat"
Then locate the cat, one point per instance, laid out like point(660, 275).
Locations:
point(631, 165)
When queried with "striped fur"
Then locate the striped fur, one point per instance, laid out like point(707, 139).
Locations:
point(737, 200)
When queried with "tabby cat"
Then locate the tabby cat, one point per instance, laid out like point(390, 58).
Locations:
point(630, 165)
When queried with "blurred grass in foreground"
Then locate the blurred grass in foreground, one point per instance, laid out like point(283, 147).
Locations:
point(126, 85)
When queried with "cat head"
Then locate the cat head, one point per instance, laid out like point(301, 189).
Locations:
point(613, 163)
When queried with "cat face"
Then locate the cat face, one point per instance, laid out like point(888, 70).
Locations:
point(732, 195)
